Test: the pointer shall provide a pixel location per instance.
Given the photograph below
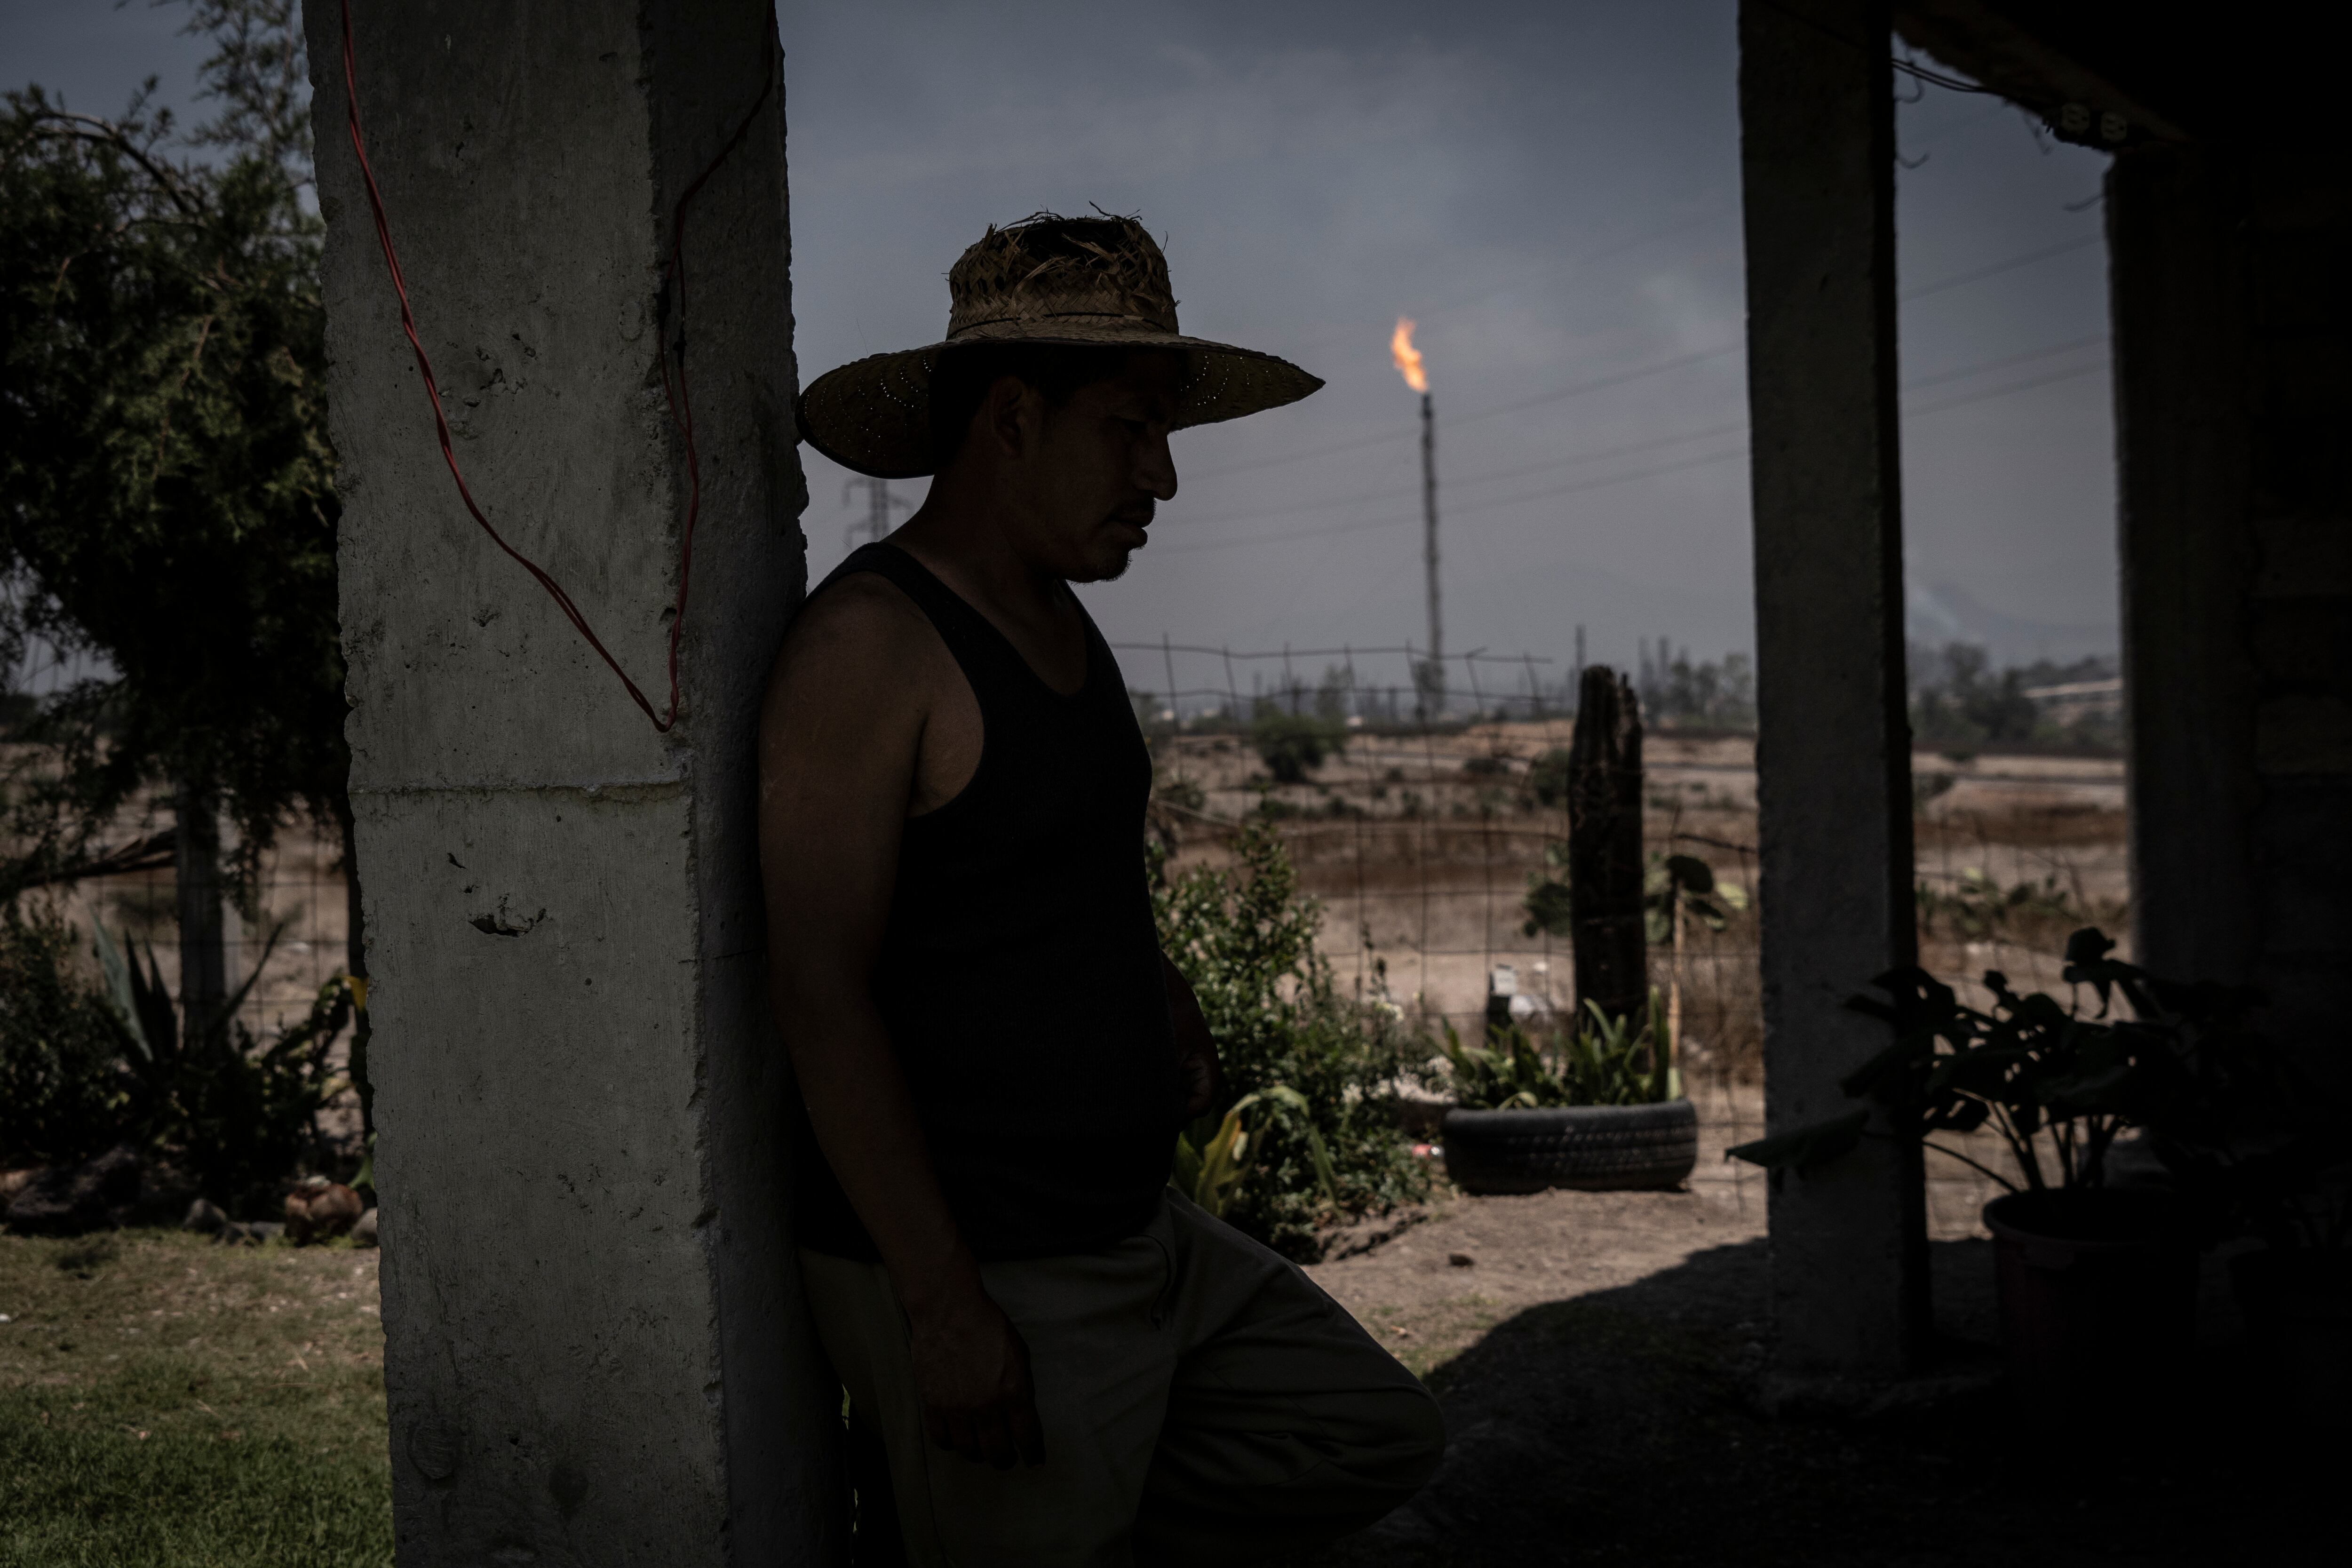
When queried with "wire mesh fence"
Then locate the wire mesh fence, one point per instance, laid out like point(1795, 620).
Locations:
point(291, 940)
point(294, 939)
point(1419, 799)
point(1420, 809)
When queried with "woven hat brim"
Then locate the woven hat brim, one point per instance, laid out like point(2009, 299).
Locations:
point(873, 416)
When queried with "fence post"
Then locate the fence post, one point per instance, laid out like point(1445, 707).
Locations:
point(1604, 846)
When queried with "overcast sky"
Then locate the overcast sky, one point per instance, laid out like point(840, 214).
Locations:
point(1551, 191)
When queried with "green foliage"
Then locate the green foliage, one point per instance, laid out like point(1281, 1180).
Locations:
point(1548, 777)
point(1978, 908)
point(1671, 884)
point(237, 1110)
point(1610, 1062)
point(1214, 1156)
point(2059, 1083)
point(1509, 1072)
point(62, 1093)
point(1549, 905)
point(1293, 745)
point(1711, 693)
point(84, 1066)
point(1606, 1061)
point(1685, 885)
point(167, 497)
point(1960, 703)
point(1245, 940)
point(1185, 795)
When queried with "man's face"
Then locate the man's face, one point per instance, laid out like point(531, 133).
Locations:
point(1097, 466)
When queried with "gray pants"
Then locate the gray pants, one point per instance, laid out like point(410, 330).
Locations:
point(1201, 1399)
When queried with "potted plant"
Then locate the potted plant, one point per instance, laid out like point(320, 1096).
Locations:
point(1600, 1109)
point(2098, 1282)
point(2264, 1156)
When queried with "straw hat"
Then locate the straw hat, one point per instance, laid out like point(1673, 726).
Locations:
point(1090, 282)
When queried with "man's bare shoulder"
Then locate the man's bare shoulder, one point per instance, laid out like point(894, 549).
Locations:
point(859, 624)
point(860, 640)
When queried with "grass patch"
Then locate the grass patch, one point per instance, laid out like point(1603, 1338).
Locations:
point(167, 1403)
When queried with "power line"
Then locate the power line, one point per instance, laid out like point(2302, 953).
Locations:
point(2026, 385)
point(1618, 379)
point(2030, 256)
point(1606, 481)
point(1648, 443)
point(2003, 362)
point(1712, 214)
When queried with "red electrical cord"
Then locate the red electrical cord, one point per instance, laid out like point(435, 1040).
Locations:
point(681, 408)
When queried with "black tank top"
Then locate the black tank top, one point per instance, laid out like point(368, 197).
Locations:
point(1019, 974)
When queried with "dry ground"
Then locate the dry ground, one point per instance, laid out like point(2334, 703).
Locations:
point(1597, 1356)
point(1421, 848)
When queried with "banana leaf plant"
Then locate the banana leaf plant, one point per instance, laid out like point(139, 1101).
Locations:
point(1214, 1154)
point(2059, 1083)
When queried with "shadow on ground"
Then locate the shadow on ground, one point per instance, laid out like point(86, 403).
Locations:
point(1621, 1426)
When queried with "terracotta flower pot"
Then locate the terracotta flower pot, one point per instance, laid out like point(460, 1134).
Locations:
point(2098, 1289)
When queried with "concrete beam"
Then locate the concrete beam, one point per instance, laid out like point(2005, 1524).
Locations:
point(1817, 160)
point(594, 1346)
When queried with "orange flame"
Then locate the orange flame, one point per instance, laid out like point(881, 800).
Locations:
point(1407, 357)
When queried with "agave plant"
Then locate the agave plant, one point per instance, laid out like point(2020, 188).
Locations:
point(238, 1107)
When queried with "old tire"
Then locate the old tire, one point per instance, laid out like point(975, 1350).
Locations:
point(1593, 1148)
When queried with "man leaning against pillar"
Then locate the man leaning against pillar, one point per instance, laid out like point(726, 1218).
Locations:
point(1063, 1359)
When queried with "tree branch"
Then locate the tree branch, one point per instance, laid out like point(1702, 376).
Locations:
point(106, 132)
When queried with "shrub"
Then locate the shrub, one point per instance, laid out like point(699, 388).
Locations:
point(1293, 745)
point(1245, 938)
point(62, 1093)
point(1548, 777)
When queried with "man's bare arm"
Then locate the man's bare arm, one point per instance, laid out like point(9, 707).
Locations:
point(840, 740)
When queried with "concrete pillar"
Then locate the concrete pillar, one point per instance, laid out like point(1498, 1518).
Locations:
point(1848, 1258)
point(595, 1346)
point(2187, 552)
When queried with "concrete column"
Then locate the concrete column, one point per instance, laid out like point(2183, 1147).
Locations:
point(595, 1346)
point(1848, 1275)
point(2187, 549)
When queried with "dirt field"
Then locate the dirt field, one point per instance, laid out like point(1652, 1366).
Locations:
point(1421, 850)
